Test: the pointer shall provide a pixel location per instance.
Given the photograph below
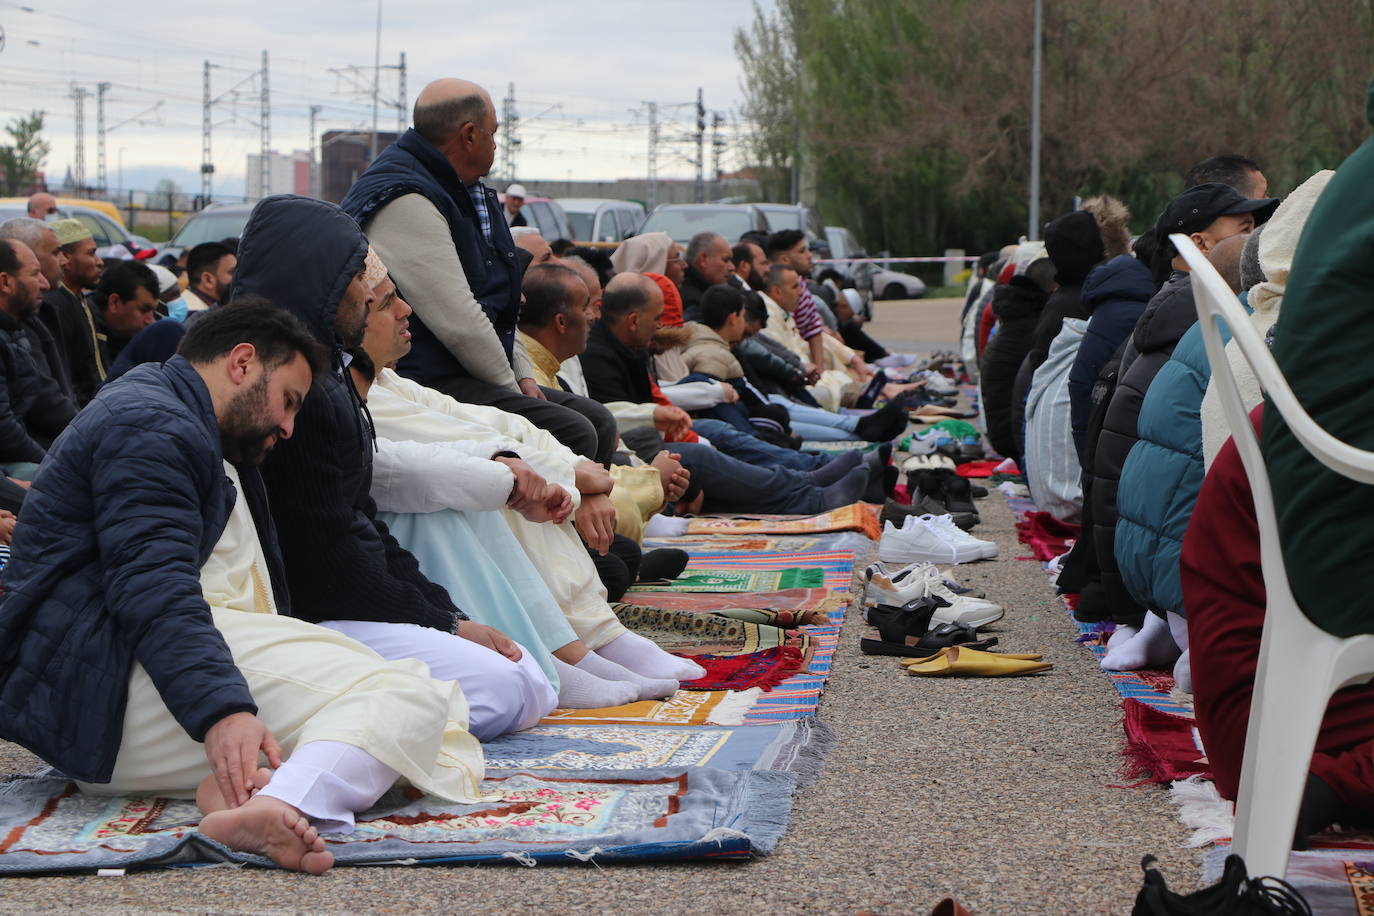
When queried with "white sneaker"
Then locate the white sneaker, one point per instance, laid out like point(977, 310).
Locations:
point(925, 581)
point(915, 542)
point(944, 525)
point(963, 609)
point(884, 586)
point(937, 382)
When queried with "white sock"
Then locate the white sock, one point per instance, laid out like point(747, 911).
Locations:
point(1120, 636)
point(1152, 647)
point(665, 526)
point(1183, 673)
point(580, 689)
point(644, 657)
point(646, 688)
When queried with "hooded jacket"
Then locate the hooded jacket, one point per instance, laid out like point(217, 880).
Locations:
point(1115, 295)
point(1052, 470)
point(1074, 244)
point(341, 562)
point(1322, 346)
point(708, 353)
point(1018, 305)
point(1168, 316)
point(104, 572)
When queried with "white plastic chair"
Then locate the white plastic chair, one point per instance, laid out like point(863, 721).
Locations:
point(1300, 664)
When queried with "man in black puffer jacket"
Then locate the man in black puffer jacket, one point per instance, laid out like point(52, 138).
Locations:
point(1076, 243)
point(1017, 305)
point(1209, 213)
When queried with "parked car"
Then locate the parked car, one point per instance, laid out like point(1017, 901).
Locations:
point(213, 224)
point(545, 214)
point(109, 235)
point(682, 221)
point(882, 282)
point(600, 220)
point(63, 203)
point(794, 216)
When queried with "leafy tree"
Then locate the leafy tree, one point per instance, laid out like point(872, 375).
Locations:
point(21, 159)
point(164, 196)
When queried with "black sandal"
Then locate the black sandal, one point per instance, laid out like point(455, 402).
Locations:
point(897, 624)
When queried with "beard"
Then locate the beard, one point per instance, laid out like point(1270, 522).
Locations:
point(244, 431)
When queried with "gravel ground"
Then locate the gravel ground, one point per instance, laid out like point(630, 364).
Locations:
point(1004, 793)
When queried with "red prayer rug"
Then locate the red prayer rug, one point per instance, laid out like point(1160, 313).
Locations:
point(766, 669)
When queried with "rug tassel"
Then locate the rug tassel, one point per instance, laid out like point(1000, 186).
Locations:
point(720, 834)
point(584, 856)
point(732, 709)
point(1201, 807)
point(523, 858)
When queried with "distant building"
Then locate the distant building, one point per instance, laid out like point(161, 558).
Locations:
point(344, 154)
point(287, 173)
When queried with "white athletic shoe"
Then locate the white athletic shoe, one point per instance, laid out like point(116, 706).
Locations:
point(944, 524)
point(925, 581)
point(917, 542)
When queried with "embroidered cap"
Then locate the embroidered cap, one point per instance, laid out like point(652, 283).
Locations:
point(69, 231)
point(374, 271)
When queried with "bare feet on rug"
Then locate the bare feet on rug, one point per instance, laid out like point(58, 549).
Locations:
point(210, 799)
point(271, 828)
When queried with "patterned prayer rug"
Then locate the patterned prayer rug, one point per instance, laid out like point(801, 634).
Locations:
point(46, 825)
point(765, 669)
point(837, 566)
point(796, 747)
point(739, 581)
point(800, 695)
point(1334, 882)
point(691, 633)
point(797, 601)
point(1161, 747)
point(686, 707)
point(855, 517)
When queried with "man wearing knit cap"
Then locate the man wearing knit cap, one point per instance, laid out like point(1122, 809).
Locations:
point(68, 313)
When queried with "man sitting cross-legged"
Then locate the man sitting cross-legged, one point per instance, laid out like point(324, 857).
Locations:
point(141, 649)
point(476, 501)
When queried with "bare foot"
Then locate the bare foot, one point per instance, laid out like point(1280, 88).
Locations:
point(272, 828)
point(210, 799)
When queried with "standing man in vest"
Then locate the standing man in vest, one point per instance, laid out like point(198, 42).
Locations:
point(444, 236)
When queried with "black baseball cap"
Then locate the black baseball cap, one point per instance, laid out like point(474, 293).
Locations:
point(1199, 206)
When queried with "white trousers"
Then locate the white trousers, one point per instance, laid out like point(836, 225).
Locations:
point(503, 696)
point(328, 781)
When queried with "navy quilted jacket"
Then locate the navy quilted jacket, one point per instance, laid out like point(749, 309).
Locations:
point(105, 571)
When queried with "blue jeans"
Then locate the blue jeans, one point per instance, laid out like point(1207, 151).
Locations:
point(751, 449)
point(816, 425)
point(734, 486)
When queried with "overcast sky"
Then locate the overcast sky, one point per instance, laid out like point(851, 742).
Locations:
point(580, 71)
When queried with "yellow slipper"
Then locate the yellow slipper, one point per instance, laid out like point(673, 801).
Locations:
point(956, 663)
point(1021, 656)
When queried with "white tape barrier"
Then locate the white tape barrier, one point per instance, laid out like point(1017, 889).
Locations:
point(964, 259)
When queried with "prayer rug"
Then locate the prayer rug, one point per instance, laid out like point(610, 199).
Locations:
point(837, 566)
point(739, 581)
point(666, 813)
point(795, 600)
point(796, 747)
point(765, 669)
point(1161, 747)
point(800, 695)
point(1045, 535)
point(1334, 882)
point(691, 633)
point(855, 517)
point(686, 707)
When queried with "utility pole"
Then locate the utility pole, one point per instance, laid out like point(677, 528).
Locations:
point(653, 154)
point(1034, 232)
point(509, 123)
point(78, 95)
point(207, 165)
point(101, 178)
point(717, 147)
point(402, 115)
point(314, 159)
point(699, 192)
point(376, 80)
point(265, 127)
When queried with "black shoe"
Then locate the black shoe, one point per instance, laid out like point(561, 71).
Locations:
point(958, 494)
point(663, 563)
point(896, 513)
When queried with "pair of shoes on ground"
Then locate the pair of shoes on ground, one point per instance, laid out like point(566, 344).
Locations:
point(924, 580)
point(897, 572)
point(961, 661)
point(938, 491)
point(931, 539)
point(910, 630)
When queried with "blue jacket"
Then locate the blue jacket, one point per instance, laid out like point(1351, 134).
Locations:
point(1114, 295)
point(412, 165)
point(105, 571)
point(1162, 476)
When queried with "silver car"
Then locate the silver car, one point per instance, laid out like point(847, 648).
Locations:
point(595, 219)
